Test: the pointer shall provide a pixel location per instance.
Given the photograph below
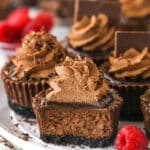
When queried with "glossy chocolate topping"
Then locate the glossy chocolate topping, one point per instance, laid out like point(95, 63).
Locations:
point(37, 56)
point(135, 8)
point(131, 64)
point(92, 33)
point(78, 81)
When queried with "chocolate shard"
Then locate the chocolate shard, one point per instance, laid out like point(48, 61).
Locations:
point(110, 7)
point(125, 40)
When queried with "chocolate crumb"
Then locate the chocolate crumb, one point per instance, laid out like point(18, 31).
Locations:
point(24, 136)
point(16, 124)
point(11, 117)
point(6, 143)
point(72, 146)
point(31, 122)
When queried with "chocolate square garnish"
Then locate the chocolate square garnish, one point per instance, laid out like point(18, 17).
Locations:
point(109, 7)
point(125, 40)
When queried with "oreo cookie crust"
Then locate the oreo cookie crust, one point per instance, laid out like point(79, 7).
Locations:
point(76, 140)
point(22, 111)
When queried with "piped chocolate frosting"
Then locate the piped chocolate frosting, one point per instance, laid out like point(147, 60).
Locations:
point(131, 64)
point(135, 8)
point(92, 33)
point(78, 81)
point(37, 56)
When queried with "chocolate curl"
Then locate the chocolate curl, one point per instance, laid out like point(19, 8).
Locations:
point(76, 10)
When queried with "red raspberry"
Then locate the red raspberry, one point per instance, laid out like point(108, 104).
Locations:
point(46, 19)
point(43, 20)
point(23, 11)
point(131, 138)
point(7, 32)
point(19, 18)
point(34, 25)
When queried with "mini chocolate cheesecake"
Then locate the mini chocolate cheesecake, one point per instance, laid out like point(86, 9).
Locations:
point(92, 35)
point(27, 73)
point(79, 108)
point(145, 106)
point(128, 71)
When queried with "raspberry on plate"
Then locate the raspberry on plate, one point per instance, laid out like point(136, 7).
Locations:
point(131, 138)
point(42, 20)
point(7, 32)
point(19, 23)
point(33, 25)
point(19, 18)
point(46, 20)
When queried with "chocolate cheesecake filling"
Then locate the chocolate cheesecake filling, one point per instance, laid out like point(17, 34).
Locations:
point(88, 123)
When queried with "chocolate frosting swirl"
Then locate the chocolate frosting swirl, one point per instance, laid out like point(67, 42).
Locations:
point(78, 81)
point(92, 33)
point(131, 64)
point(37, 56)
point(135, 8)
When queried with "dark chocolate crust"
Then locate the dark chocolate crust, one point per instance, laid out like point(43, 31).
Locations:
point(75, 140)
point(22, 111)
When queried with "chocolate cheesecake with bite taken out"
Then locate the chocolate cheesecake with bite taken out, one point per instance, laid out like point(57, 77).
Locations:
point(79, 108)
